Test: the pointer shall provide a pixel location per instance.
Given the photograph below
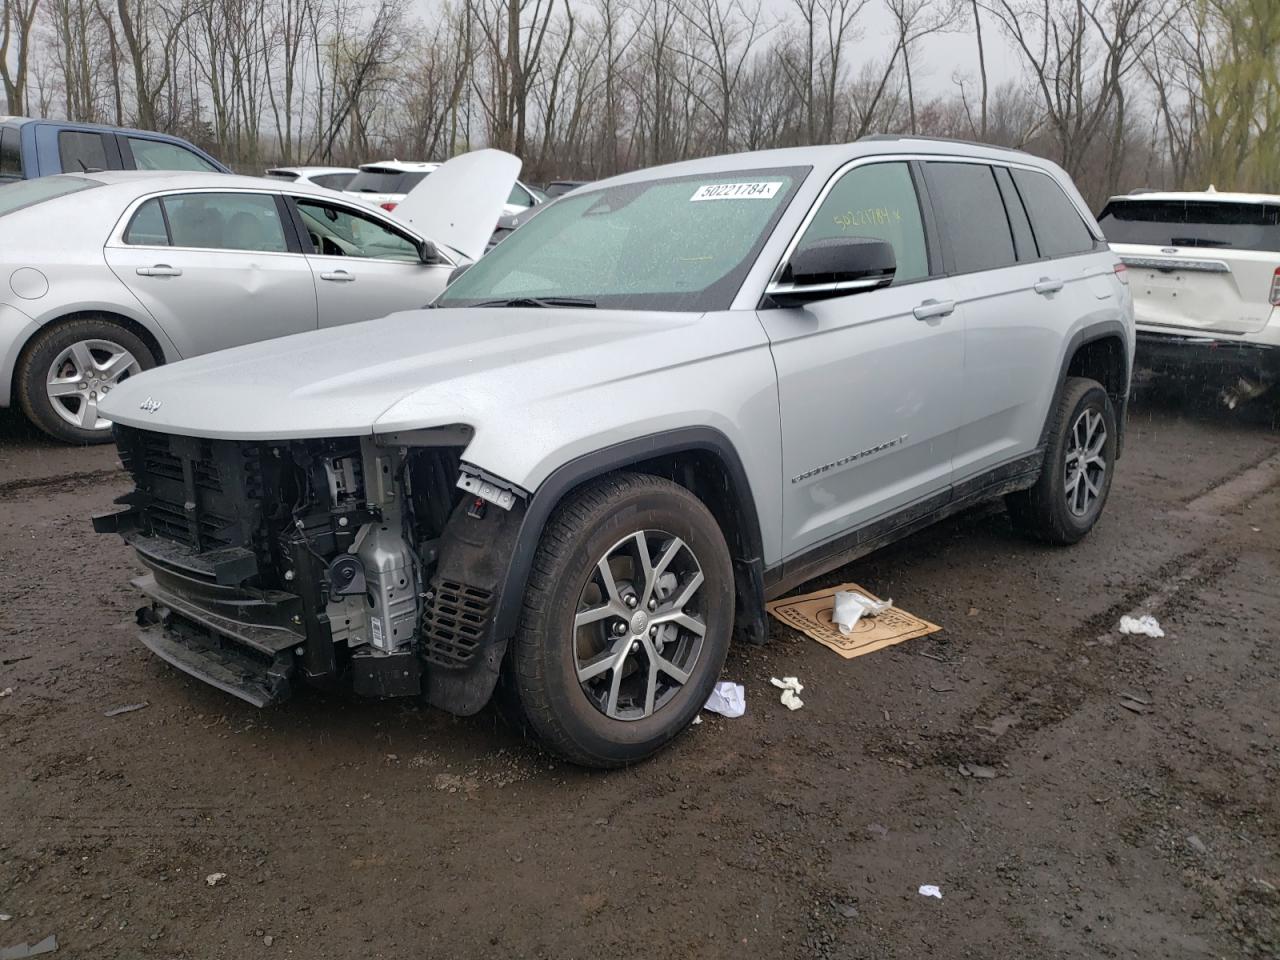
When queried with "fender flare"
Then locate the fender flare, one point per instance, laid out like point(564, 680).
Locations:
point(510, 596)
point(1102, 330)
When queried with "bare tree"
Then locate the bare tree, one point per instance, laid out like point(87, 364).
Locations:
point(15, 40)
point(914, 20)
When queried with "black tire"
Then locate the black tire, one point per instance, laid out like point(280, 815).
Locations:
point(39, 356)
point(541, 690)
point(1044, 511)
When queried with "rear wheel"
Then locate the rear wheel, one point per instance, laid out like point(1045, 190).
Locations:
point(1075, 479)
point(626, 621)
point(69, 367)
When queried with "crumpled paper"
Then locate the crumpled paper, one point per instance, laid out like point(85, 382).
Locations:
point(930, 890)
point(727, 699)
point(851, 607)
point(790, 687)
point(1146, 626)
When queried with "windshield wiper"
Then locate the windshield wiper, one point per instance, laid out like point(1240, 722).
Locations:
point(538, 302)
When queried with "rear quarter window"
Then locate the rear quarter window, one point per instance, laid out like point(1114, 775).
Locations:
point(82, 151)
point(1193, 223)
point(1060, 230)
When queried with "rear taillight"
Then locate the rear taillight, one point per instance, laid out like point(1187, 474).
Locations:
point(1122, 273)
point(389, 205)
point(1275, 288)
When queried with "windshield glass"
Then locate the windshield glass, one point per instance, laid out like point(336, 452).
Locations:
point(23, 193)
point(682, 243)
point(1193, 223)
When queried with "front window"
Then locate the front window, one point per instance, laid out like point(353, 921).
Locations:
point(338, 232)
point(681, 243)
point(1193, 223)
point(158, 155)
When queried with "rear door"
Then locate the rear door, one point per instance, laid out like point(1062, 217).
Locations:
point(869, 385)
point(1200, 266)
point(1022, 293)
point(364, 267)
point(215, 268)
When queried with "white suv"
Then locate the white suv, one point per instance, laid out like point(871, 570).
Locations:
point(385, 184)
point(1205, 273)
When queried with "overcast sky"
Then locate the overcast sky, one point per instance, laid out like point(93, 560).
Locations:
point(934, 61)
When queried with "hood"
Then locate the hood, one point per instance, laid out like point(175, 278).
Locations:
point(422, 368)
point(460, 201)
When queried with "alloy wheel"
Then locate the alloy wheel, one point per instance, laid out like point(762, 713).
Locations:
point(639, 628)
point(81, 375)
point(1086, 464)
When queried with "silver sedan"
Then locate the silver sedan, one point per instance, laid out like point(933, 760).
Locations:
point(109, 274)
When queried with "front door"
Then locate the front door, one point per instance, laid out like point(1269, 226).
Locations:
point(215, 269)
point(869, 385)
point(364, 268)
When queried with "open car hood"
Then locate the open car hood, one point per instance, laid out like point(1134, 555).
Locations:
point(458, 204)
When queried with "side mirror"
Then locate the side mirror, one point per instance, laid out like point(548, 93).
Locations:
point(457, 271)
point(835, 267)
point(428, 253)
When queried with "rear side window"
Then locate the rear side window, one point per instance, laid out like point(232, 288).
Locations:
point(147, 228)
point(877, 201)
point(225, 221)
point(82, 151)
point(1060, 230)
point(158, 155)
point(1023, 240)
point(971, 216)
point(1193, 223)
point(10, 153)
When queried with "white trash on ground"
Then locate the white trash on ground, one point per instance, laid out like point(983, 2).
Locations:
point(790, 687)
point(214, 879)
point(727, 699)
point(1146, 626)
point(851, 607)
point(929, 890)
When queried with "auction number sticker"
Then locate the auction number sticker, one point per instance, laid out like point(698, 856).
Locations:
point(737, 191)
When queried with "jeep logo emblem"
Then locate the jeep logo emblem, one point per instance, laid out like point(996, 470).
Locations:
point(149, 406)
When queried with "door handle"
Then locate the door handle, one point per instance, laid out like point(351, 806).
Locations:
point(160, 270)
point(1046, 286)
point(340, 276)
point(934, 309)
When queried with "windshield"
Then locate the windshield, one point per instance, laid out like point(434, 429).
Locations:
point(24, 193)
point(682, 243)
point(1193, 223)
point(386, 181)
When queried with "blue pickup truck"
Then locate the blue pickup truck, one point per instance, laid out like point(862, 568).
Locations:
point(37, 148)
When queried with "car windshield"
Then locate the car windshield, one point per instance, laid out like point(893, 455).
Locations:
point(1193, 223)
point(24, 193)
point(680, 243)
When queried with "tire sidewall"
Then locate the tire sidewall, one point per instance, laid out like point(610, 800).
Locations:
point(35, 365)
point(1093, 397)
point(590, 730)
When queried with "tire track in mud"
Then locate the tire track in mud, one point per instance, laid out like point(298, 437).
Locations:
point(62, 483)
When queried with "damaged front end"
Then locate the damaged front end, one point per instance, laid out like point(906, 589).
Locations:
point(371, 564)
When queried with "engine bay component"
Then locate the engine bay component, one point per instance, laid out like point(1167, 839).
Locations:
point(391, 589)
point(346, 576)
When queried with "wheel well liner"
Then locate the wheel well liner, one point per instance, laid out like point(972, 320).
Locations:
point(701, 459)
point(1098, 352)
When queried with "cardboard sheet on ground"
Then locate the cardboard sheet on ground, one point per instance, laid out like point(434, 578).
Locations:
point(811, 615)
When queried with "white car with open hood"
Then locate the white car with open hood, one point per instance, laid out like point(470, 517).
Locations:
point(665, 399)
point(110, 274)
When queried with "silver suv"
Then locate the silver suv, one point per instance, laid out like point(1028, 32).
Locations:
point(667, 398)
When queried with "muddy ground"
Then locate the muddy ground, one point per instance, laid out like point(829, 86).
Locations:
point(382, 830)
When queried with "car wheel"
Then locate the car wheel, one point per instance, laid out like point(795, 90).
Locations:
point(1075, 479)
point(69, 367)
point(626, 621)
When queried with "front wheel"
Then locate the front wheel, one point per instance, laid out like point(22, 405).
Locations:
point(626, 621)
point(1079, 461)
point(69, 367)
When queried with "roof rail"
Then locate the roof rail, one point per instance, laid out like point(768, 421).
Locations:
point(886, 137)
point(1138, 191)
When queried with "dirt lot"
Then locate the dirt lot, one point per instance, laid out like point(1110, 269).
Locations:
point(352, 829)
